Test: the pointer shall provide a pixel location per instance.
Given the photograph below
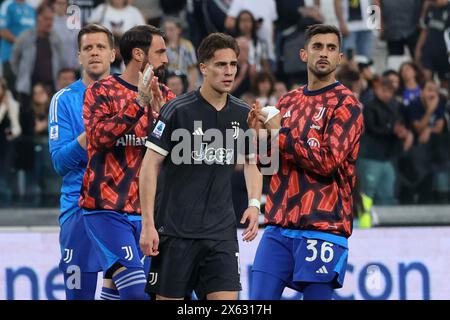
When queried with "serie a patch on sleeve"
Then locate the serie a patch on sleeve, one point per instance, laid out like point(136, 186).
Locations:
point(159, 129)
point(54, 132)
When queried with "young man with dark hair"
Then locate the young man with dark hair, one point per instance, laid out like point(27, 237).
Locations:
point(309, 205)
point(67, 141)
point(188, 220)
point(117, 112)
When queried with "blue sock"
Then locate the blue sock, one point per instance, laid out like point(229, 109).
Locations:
point(266, 286)
point(131, 284)
point(318, 291)
point(82, 288)
point(109, 294)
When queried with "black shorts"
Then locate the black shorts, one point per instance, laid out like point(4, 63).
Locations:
point(397, 47)
point(436, 61)
point(186, 265)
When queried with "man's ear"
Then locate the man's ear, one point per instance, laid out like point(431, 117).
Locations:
point(137, 54)
point(203, 69)
point(303, 55)
point(113, 56)
point(341, 56)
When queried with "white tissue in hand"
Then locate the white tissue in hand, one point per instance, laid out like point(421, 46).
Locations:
point(271, 112)
point(147, 73)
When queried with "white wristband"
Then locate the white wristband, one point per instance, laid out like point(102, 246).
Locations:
point(254, 203)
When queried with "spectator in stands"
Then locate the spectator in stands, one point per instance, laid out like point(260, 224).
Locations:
point(65, 77)
point(83, 10)
point(248, 98)
point(327, 11)
point(37, 55)
point(15, 17)
point(399, 27)
point(410, 79)
point(350, 77)
point(242, 82)
point(293, 19)
point(264, 12)
point(441, 175)
point(66, 35)
point(117, 15)
point(426, 113)
point(180, 52)
point(353, 17)
point(263, 89)
point(44, 181)
point(246, 26)
point(279, 89)
point(385, 135)
point(151, 10)
point(430, 153)
point(173, 8)
point(431, 47)
point(394, 77)
point(177, 83)
point(364, 66)
point(205, 17)
point(9, 130)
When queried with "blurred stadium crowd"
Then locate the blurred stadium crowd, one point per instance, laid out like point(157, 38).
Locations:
point(395, 60)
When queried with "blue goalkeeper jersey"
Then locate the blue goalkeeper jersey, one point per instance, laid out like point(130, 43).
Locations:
point(68, 157)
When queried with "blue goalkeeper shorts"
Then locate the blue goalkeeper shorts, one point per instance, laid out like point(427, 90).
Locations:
point(76, 246)
point(116, 238)
point(301, 257)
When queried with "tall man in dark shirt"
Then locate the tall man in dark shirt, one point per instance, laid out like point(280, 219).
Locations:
point(189, 225)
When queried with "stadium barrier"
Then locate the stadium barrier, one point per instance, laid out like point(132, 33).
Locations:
point(384, 263)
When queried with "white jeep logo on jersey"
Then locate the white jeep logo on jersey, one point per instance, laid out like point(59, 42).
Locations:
point(211, 155)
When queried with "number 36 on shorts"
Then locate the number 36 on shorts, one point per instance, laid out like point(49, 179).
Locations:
point(319, 261)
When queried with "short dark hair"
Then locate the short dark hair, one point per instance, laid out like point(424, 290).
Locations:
point(263, 76)
point(173, 20)
point(95, 28)
point(390, 72)
point(137, 37)
point(64, 70)
point(427, 81)
point(321, 29)
point(40, 10)
point(384, 82)
point(347, 75)
point(213, 42)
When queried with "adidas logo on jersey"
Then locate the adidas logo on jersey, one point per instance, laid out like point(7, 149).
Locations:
point(198, 132)
point(131, 140)
point(287, 114)
point(323, 269)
